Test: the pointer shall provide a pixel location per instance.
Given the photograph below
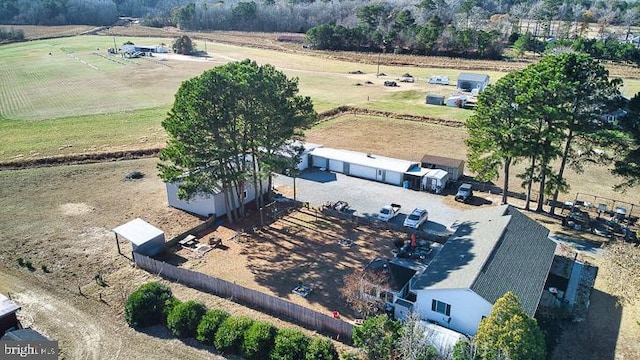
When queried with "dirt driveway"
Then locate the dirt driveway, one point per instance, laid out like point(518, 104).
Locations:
point(87, 328)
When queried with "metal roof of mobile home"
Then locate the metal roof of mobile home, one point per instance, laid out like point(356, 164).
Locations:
point(473, 77)
point(370, 160)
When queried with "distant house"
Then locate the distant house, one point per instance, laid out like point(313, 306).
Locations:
point(455, 167)
point(469, 82)
point(493, 251)
point(132, 49)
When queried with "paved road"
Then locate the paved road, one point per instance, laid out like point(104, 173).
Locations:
point(367, 197)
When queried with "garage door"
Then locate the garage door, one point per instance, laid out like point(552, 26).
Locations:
point(392, 177)
point(362, 171)
point(336, 165)
point(319, 161)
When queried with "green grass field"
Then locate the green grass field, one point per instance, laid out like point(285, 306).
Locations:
point(67, 95)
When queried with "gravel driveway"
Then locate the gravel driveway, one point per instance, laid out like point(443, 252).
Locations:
point(366, 197)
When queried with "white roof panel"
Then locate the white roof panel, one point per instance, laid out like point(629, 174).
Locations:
point(7, 306)
point(373, 161)
point(138, 231)
point(436, 174)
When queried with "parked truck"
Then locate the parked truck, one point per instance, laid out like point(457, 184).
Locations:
point(465, 192)
point(388, 212)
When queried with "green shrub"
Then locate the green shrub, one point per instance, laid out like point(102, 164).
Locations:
point(258, 341)
point(351, 355)
point(230, 334)
point(211, 321)
point(290, 344)
point(168, 307)
point(144, 307)
point(321, 348)
point(184, 318)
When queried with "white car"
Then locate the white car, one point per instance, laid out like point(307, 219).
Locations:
point(416, 218)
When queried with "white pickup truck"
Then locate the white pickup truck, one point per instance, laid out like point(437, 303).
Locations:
point(388, 212)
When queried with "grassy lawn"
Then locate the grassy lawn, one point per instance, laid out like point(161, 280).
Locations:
point(68, 95)
point(82, 134)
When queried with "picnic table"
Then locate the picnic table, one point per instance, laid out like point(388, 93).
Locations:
point(189, 241)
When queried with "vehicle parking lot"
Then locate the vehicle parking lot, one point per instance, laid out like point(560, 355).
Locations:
point(366, 197)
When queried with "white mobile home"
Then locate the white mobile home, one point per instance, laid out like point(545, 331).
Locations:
point(366, 166)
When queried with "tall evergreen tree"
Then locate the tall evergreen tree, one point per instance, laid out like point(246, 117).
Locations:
point(228, 123)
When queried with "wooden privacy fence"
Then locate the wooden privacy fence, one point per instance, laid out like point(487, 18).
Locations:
point(275, 305)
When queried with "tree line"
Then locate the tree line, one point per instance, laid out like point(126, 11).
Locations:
point(58, 12)
point(553, 114)
point(559, 18)
point(609, 49)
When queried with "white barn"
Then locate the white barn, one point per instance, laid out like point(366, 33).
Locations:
point(362, 165)
point(493, 251)
point(208, 205)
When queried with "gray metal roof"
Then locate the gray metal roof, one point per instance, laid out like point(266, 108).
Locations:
point(370, 160)
point(493, 251)
point(473, 77)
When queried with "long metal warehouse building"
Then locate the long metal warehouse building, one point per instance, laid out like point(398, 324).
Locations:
point(366, 166)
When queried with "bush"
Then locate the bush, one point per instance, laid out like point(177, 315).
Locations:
point(350, 355)
point(230, 335)
point(258, 341)
point(144, 307)
point(290, 344)
point(321, 348)
point(168, 307)
point(184, 318)
point(208, 326)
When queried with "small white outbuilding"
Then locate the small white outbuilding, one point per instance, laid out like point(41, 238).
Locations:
point(435, 180)
point(145, 238)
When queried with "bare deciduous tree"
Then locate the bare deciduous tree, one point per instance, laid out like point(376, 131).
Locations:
point(362, 291)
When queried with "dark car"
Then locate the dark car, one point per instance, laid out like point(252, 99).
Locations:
point(465, 192)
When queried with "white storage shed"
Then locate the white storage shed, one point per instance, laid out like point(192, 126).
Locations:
point(435, 180)
point(208, 205)
point(363, 165)
point(145, 238)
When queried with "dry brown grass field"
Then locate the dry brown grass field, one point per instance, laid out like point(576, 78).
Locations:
point(61, 217)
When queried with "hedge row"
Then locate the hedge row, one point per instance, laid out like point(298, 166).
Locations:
point(153, 303)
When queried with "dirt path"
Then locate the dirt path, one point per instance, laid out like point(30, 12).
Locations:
point(86, 328)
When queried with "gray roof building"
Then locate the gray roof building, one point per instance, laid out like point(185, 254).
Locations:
point(493, 251)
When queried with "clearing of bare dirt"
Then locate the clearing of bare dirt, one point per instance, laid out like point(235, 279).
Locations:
point(303, 247)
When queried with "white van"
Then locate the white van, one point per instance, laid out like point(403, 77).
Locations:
point(439, 79)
